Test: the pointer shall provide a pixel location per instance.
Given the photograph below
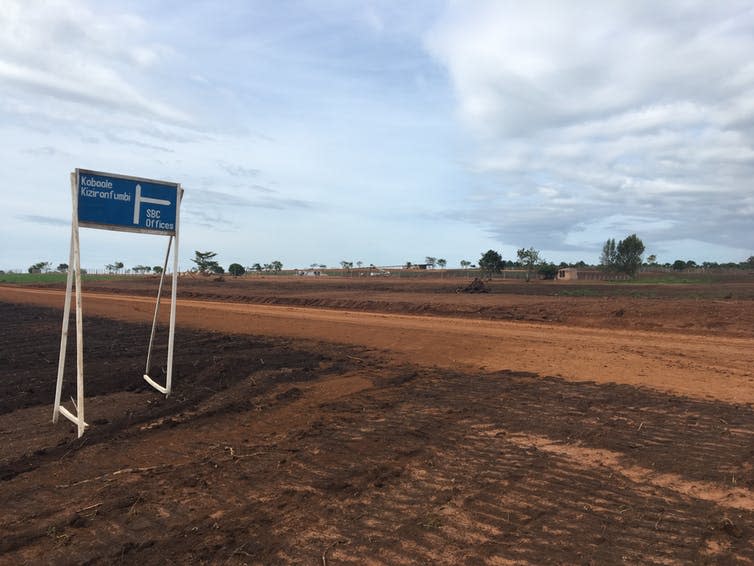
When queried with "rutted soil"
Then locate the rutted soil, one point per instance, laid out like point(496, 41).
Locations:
point(275, 451)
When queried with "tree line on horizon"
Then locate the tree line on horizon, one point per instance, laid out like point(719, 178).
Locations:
point(620, 257)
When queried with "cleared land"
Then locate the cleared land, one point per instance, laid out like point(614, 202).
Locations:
point(361, 421)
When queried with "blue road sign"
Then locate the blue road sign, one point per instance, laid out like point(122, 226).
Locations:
point(129, 204)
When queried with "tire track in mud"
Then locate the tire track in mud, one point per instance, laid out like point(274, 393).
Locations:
point(472, 474)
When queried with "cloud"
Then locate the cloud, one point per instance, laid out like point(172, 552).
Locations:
point(46, 220)
point(136, 143)
point(592, 117)
point(212, 220)
point(239, 170)
point(230, 202)
point(44, 151)
point(66, 51)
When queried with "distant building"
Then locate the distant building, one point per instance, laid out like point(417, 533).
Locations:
point(574, 274)
point(568, 274)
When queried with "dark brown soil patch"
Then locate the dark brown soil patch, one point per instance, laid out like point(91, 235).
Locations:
point(323, 454)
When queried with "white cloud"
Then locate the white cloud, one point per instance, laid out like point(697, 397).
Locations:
point(64, 50)
point(630, 109)
point(293, 123)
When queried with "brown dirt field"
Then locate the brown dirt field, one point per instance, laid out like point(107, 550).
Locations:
point(324, 436)
point(723, 307)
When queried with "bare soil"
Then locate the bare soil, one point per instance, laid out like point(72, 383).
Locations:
point(364, 436)
point(721, 307)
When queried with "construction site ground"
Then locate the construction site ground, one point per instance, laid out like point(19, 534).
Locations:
point(383, 421)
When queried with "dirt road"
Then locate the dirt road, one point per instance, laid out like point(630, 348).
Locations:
point(702, 367)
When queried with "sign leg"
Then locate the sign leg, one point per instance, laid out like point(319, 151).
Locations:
point(64, 334)
point(157, 308)
point(79, 336)
point(174, 292)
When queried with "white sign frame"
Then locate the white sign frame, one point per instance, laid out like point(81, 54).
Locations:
point(74, 273)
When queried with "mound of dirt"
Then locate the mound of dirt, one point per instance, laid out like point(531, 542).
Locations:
point(476, 286)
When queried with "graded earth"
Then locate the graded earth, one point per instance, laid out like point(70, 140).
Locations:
point(351, 421)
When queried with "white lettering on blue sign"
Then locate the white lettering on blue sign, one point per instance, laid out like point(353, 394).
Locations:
point(127, 203)
point(111, 194)
point(98, 183)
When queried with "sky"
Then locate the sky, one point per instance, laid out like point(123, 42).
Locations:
point(383, 131)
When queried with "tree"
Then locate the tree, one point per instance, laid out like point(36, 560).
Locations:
point(277, 266)
point(42, 266)
point(217, 269)
point(607, 259)
point(157, 269)
point(442, 263)
point(408, 265)
point(257, 267)
point(465, 264)
point(359, 264)
point(652, 259)
point(628, 254)
point(679, 265)
point(529, 259)
point(430, 261)
point(750, 262)
point(491, 262)
point(205, 261)
point(548, 270)
point(62, 267)
point(236, 269)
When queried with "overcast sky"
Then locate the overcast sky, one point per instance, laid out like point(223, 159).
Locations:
point(321, 131)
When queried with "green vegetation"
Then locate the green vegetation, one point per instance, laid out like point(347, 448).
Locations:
point(529, 259)
point(37, 278)
point(667, 279)
point(41, 267)
point(623, 257)
point(548, 270)
point(236, 269)
point(491, 262)
point(114, 267)
point(578, 292)
point(277, 267)
point(206, 263)
point(628, 257)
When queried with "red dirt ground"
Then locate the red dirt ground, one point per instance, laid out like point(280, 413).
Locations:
point(321, 436)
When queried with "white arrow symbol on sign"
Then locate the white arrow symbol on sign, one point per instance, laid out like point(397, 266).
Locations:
point(140, 199)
